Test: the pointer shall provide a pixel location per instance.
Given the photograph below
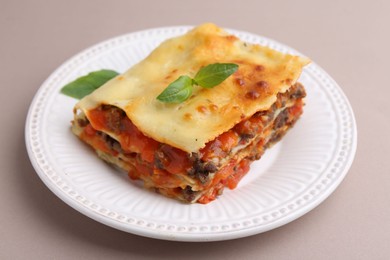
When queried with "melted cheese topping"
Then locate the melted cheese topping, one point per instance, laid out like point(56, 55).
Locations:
point(262, 74)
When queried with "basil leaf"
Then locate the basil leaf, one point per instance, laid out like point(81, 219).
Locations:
point(178, 91)
point(85, 85)
point(213, 74)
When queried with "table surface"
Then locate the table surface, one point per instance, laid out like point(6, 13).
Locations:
point(348, 39)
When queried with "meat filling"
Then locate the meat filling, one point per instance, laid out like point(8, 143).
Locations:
point(194, 177)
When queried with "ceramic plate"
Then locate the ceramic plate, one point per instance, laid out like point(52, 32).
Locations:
point(291, 178)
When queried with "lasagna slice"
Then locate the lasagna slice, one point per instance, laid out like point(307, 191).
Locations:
point(191, 151)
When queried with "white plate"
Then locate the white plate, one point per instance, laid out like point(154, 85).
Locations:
point(292, 178)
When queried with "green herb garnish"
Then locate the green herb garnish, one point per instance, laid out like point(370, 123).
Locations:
point(207, 77)
point(85, 85)
point(213, 74)
point(177, 91)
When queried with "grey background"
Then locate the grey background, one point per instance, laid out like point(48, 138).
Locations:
point(349, 39)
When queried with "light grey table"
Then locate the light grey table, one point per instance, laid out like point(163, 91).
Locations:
point(349, 39)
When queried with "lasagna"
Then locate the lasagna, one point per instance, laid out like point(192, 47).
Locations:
point(192, 150)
